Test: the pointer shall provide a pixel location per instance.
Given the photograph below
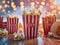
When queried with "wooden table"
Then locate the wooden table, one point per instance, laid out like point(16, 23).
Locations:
point(36, 41)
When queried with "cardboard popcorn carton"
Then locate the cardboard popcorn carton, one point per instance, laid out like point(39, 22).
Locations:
point(12, 22)
point(1, 20)
point(30, 22)
point(4, 25)
point(47, 23)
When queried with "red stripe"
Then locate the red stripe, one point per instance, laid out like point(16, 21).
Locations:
point(35, 22)
point(30, 26)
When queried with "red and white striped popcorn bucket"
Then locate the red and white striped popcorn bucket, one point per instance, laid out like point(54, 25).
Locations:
point(4, 25)
point(47, 23)
point(30, 26)
point(53, 19)
point(12, 24)
point(1, 20)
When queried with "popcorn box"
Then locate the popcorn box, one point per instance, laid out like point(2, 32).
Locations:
point(47, 23)
point(12, 23)
point(30, 25)
point(1, 20)
point(4, 25)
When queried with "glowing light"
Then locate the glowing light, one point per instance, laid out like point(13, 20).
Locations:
point(22, 7)
point(14, 6)
point(8, 11)
point(58, 7)
point(21, 3)
point(14, 9)
point(42, 3)
point(32, 3)
point(8, 2)
point(59, 12)
point(12, 3)
point(54, 2)
point(0, 6)
point(5, 5)
point(3, 1)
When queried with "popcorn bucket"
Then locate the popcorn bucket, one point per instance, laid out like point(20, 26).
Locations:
point(12, 23)
point(47, 23)
point(30, 26)
point(1, 20)
point(4, 25)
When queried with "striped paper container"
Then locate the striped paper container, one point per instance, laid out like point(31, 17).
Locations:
point(12, 24)
point(30, 25)
point(47, 23)
point(1, 20)
point(4, 25)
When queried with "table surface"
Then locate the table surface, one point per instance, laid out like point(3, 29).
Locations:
point(35, 41)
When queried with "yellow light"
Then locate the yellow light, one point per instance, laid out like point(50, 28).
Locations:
point(54, 2)
point(42, 3)
point(14, 9)
point(5, 5)
point(59, 12)
point(14, 6)
point(0, 6)
point(12, 3)
point(3, 1)
point(22, 7)
point(58, 7)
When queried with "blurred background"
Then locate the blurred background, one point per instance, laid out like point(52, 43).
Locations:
point(15, 7)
